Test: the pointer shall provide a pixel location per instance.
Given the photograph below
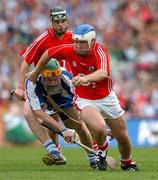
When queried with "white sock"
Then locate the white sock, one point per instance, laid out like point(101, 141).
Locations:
point(50, 146)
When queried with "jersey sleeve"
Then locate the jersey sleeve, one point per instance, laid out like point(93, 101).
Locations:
point(33, 95)
point(58, 52)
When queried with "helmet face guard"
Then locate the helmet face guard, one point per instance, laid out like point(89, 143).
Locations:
point(49, 73)
point(58, 13)
point(59, 18)
point(86, 37)
point(52, 68)
point(84, 33)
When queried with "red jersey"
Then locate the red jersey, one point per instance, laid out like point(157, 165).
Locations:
point(45, 41)
point(98, 59)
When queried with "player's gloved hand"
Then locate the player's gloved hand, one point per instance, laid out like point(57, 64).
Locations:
point(32, 76)
point(19, 94)
point(69, 135)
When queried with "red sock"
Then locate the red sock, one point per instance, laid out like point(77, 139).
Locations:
point(104, 147)
point(126, 161)
point(95, 146)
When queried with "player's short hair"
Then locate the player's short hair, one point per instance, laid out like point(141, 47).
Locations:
point(51, 68)
point(58, 13)
point(84, 32)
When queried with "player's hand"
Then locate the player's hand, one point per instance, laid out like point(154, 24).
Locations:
point(69, 135)
point(79, 80)
point(19, 94)
point(32, 76)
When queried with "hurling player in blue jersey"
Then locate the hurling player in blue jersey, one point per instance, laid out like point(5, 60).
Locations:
point(56, 81)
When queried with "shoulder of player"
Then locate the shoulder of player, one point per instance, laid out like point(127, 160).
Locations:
point(62, 47)
point(43, 36)
point(37, 43)
point(99, 48)
point(68, 33)
point(30, 85)
point(65, 74)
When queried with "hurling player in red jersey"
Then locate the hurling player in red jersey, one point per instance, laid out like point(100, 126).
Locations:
point(95, 98)
point(55, 35)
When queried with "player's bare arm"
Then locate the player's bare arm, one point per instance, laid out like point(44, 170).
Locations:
point(19, 92)
point(67, 134)
point(40, 65)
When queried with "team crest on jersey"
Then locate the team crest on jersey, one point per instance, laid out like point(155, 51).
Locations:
point(74, 63)
point(92, 68)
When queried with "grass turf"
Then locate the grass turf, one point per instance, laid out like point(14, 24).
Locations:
point(22, 163)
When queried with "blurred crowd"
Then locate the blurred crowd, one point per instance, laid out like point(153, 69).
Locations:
point(127, 28)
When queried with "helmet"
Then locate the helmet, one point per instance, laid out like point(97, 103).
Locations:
point(58, 13)
point(52, 68)
point(84, 32)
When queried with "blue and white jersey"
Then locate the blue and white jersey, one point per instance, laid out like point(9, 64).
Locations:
point(62, 94)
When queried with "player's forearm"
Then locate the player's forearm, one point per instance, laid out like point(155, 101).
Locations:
point(98, 75)
point(42, 62)
point(23, 71)
point(47, 118)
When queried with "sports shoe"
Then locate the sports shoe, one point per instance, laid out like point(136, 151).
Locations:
point(56, 158)
point(93, 165)
point(101, 160)
point(48, 160)
point(131, 167)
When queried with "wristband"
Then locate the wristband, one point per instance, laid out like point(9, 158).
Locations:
point(63, 130)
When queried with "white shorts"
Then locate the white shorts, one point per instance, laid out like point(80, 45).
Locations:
point(109, 106)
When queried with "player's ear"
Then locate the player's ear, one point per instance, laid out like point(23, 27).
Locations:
point(93, 40)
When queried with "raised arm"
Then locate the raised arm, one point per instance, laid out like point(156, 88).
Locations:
point(32, 76)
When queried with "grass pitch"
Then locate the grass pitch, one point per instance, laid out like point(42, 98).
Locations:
point(20, 163)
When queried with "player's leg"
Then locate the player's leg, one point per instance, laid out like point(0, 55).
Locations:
point(113, 114)
point(83, 132)
point(119, 131)
point(96, 124)
point(47, 159)
point(40, 132)
point(84, 135)
point(42, 135)
point(53, 135)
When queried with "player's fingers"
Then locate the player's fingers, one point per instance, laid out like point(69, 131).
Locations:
point(67, 140)
point(19, 97)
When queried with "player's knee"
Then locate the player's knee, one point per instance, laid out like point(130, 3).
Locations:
point(100, 127)
point(99, 132)
point(27, 115)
